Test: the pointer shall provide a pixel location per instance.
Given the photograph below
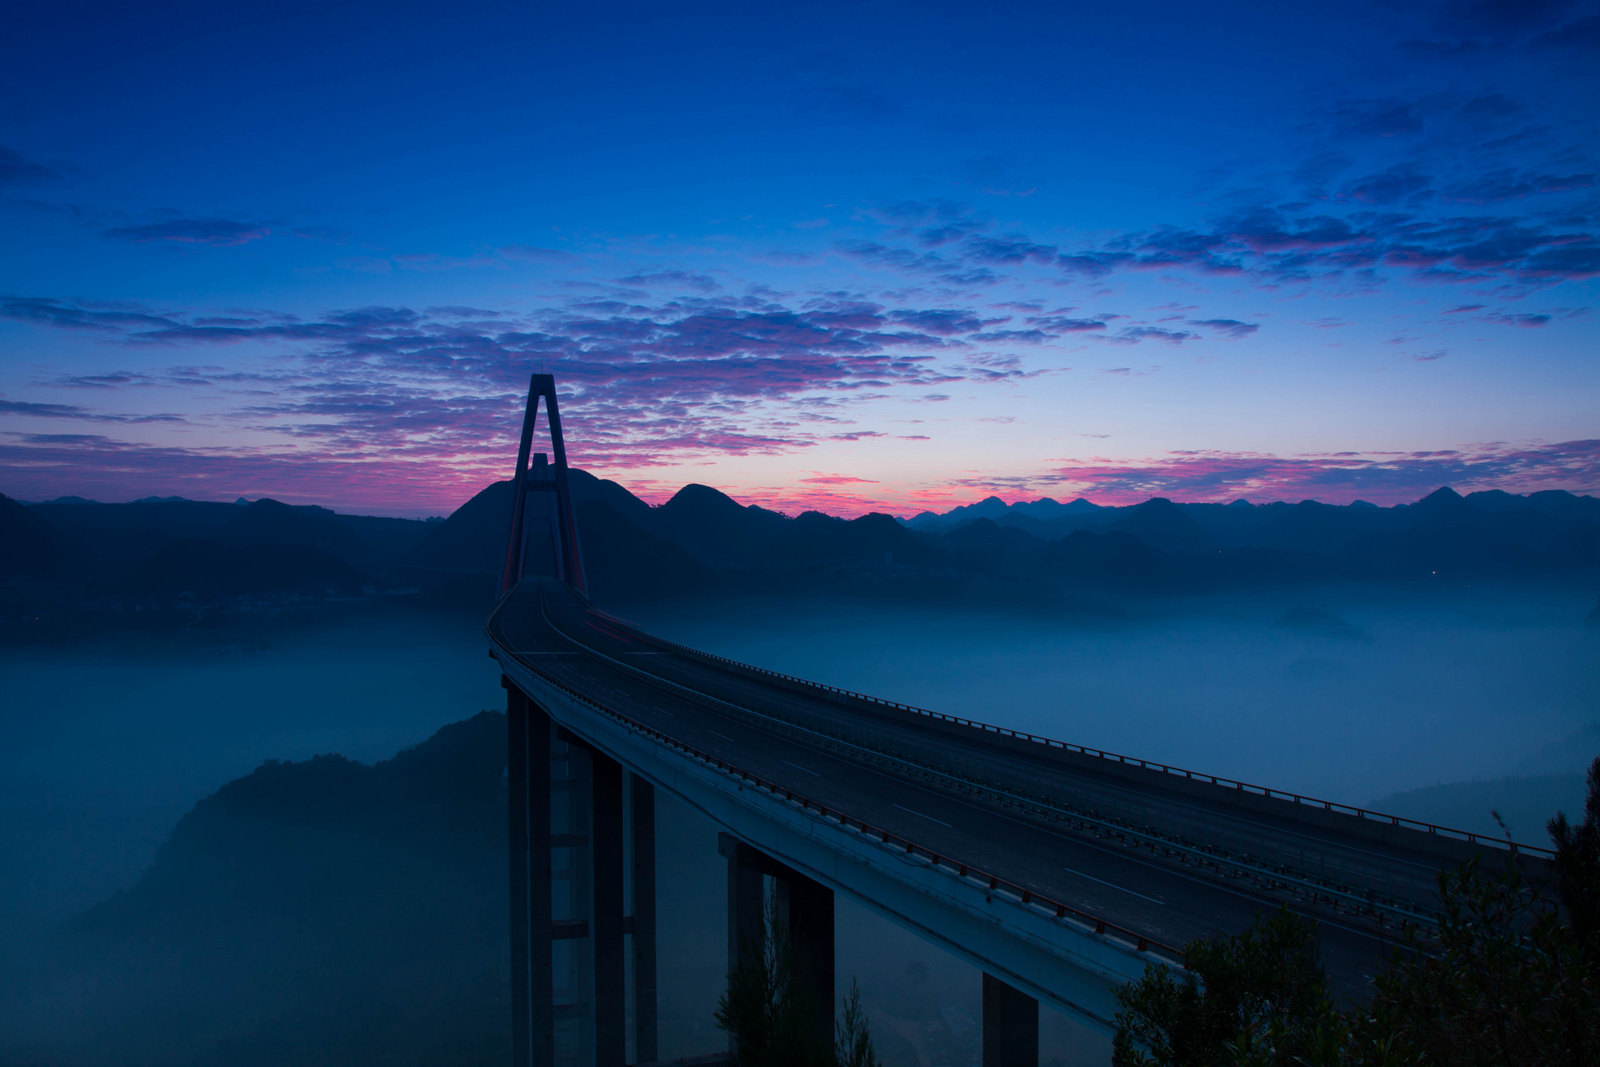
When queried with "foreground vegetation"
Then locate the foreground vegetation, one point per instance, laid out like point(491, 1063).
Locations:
point(768, 1012)
point(1513, 977)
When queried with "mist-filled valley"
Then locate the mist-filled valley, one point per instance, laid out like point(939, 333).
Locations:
point(210, 851)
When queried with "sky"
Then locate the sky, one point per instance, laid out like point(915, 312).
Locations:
point(850, 257)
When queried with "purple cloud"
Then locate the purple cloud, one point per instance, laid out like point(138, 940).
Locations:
point(1229, 327)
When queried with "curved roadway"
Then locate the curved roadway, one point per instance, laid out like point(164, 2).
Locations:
point(1169, 861)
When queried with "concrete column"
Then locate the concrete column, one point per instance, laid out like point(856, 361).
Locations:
point(1010, 1026)
point(805, 906)
point(746, 903)
point(606, 916)
point(642, 797)
point(528, 827)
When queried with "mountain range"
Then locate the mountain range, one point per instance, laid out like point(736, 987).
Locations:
point(149, 555)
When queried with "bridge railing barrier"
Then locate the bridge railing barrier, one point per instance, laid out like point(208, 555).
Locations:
point(1244, 788)
point(973, 875)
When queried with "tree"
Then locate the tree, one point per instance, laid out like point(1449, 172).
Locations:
point(1510, 977)
point(765, 1009)
point(1258, 997)
point(1578, 865)
point(1504, 982)
point(768, 1012)
point(853, 1040)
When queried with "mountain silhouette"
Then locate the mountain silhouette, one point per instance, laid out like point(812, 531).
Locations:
point(702, 542)
point(322, 911)
point(29, 545)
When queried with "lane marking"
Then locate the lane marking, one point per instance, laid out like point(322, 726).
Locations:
point(725, 737)
point(797, 767)
point(913, 811)
point(1113, 885)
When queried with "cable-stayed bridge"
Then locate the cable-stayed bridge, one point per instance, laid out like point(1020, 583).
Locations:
point(1059, 871)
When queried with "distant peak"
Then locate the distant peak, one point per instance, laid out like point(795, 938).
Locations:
point(696, 495)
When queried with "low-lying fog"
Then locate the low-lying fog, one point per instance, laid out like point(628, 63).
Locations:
point(1346, 694)
point(1339, 693)
point(104, 747)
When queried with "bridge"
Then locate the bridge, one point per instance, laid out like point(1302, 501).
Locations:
point(1059, 871)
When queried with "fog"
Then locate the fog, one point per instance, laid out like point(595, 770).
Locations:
point(104, 746)
point(1351, 694)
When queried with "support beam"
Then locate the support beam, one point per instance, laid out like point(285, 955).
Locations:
point(642, 797)
point(746, 903)
point(528, 827)
point(805, 906)
point(1010, 1026)
point(606, 925)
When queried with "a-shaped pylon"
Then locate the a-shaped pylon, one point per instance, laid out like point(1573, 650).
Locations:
point(571, 562)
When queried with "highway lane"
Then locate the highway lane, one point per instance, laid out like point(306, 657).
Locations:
point(1361, 873)
point(1166, 901)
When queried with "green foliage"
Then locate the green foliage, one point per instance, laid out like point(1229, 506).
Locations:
point(1258, 998)
point(1578, 865)
point(769, 1013)
point(1507, 982)
point(1511, 978)
point(766, 1010)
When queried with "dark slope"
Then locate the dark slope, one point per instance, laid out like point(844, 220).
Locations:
point(29, 544)
point(208, 569)
point(315, 912)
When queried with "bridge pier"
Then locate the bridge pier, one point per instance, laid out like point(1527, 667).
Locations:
point(609, 992)
point(597, 922)
point(1010, 1025)
point(528, 824)
point(802, 905)
point(642, 802)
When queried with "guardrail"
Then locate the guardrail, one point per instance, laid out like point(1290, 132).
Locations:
point(906, 846)
point(1269, 874)
point(1133, 761)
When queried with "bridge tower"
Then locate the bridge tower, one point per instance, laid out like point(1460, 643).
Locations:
point(539, 479)
point(579, 821)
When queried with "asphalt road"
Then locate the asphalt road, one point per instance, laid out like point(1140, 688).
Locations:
point(1168, 864)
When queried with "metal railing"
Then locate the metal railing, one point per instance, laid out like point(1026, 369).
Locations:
point(1264, 863)
point(895, 842)
point(1132, 761)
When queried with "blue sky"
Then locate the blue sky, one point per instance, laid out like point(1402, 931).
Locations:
point(867, 256)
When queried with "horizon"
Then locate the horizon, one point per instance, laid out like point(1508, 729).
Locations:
point(662, 498)
point(923, 253)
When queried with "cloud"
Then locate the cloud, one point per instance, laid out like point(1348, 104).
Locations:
point(1523, 319)
point(195, 231)
point(837, 479)
point(1229, 327)
point(1376, 117)
point(673, 279)
point(656, 382)
point(1134, 334)
point(80, 316)
point(31, 409)
point(15, 170)
point(1401, 182)
point(1463, 28)
point(1383, 478)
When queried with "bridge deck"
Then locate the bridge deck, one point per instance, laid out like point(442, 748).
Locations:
point(1169, 860)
